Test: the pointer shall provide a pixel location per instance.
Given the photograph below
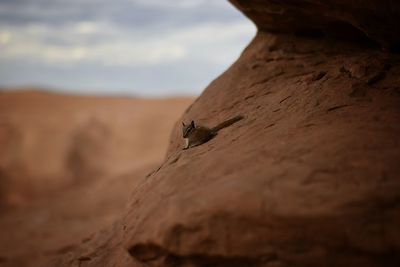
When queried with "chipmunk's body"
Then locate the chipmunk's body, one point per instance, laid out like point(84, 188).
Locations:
point(196, 135)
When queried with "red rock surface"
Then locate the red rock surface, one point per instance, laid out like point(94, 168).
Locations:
point(310, 177)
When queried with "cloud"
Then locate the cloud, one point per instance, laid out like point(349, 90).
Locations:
point(181, 3)
point(4, 37)
point(120, 43)
point(139, 12)
point(107, 44)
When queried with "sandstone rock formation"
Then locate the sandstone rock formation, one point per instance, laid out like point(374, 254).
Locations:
point(87, 156)
point(375, 20)
point(310, 177)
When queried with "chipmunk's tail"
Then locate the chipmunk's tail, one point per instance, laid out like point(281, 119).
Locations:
point(227, 123)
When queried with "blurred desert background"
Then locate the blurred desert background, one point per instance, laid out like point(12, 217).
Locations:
point(68, 164)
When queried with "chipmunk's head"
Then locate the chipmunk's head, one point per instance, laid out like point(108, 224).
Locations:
point(187, 129)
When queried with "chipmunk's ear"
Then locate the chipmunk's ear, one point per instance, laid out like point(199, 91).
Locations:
point(183, 124)
point(192, 123)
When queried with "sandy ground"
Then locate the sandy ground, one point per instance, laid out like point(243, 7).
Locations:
point(69, 164)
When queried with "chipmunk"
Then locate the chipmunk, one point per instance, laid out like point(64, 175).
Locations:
point(196, 135)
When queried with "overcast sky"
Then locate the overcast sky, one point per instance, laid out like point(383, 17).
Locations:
point(135, 47)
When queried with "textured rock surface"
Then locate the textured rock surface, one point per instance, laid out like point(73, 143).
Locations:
point(310, 177)
point(376, 20)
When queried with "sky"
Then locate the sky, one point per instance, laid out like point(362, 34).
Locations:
point(119, 47)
